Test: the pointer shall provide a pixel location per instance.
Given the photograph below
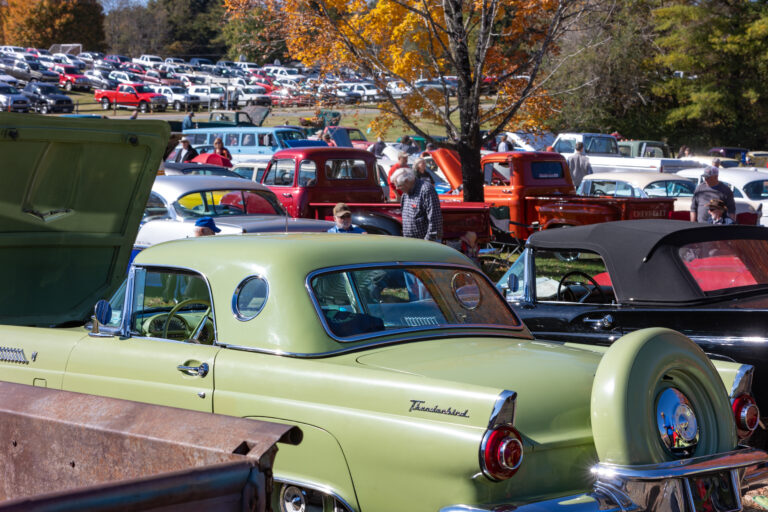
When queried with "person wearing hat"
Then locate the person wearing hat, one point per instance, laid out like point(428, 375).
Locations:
point(342, 215)
point(711, 188)
point(378, 148)
point(206, 226)
point(187, 152)
point(717, 212)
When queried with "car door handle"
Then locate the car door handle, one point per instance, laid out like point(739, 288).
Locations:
point(287, 194)
point(200, 371)
point(604, 322)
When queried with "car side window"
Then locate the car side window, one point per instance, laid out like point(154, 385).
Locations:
point(172, 304)
point(571, 276)
point(155, 209)
point(565, 146)
point(307, 173)
point(342, 169)
point(281, 173)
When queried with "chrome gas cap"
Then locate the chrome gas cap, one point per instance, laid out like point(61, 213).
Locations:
point(678, 427)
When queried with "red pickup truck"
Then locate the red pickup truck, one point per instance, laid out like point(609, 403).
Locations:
point(70, 78)
point(310, 181)
point(537, 189)
point(133, 96)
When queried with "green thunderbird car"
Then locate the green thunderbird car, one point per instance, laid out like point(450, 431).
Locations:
point(415, 385)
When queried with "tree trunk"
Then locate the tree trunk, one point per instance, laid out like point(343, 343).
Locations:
point(471, 172)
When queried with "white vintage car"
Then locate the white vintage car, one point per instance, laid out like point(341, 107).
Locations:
point(749, 185)
point(236, 205)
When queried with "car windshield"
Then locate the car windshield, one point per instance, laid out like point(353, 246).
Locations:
point(69, 69)
point(222, 203)
point(141, 88)
point(720, 266)
point(289, 135)
point(355, 134)
point(539, 141)
point(177, 90)
point(382, 300)
point(7, 89)
point(48, 89)
point(676, 188)
point(756, 190)
point(600, 145)
point(217, 90)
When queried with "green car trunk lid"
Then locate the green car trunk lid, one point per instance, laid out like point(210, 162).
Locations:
point(553, 381)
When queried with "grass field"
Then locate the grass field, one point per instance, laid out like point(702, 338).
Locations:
point(359, 116)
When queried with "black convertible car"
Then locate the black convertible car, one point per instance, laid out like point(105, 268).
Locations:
point(593, 284)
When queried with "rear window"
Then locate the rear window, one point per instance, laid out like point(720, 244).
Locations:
point(757, 190)
point(222, 203)
point(726, 265)
point(546, 170)
point(345, 169)
point(376, 301)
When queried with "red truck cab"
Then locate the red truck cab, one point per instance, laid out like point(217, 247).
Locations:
point(71, 78)
point(537, 189)
point(133, 96)
point(310, 181)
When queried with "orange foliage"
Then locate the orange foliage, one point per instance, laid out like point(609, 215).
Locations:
point(41, 23)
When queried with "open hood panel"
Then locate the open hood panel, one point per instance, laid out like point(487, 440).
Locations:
point(448, 162)
point(73, 194)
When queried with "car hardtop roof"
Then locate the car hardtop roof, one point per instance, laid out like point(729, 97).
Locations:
point(292, 256)
point(191, 165)
point(185, 184)
point(641, 255)
point(643, 177)
point(325, 152)
point(242, 129)
point(733, 175)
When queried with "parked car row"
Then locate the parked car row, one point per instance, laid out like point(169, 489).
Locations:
point(414, 383)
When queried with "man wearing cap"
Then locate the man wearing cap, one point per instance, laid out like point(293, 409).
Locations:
point(717, 212)
point(205, 226)
point(420, 207)
point(709, 189)
point(187, 152)
point(342, 215)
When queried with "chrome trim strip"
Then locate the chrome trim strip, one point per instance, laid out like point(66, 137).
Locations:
point(684, 467)
point(236, 295)
point(402, 264)
point(315, 487)
point(742, 383)
point(379, 343)
point(128, 309)
point(13, 355)
point(507, 399)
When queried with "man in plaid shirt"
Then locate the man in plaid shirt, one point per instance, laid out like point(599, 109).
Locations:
point(420, 207)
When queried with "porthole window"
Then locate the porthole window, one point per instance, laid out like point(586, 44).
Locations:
point(250, 298)
point(466, 290)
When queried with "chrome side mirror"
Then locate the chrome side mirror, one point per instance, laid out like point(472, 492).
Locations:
point(102, 314)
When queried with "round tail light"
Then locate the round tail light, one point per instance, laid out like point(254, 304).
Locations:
point(746, 414)
point(501, 452)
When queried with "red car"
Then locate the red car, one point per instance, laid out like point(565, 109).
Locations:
point(70, 78)
point(161, 77)
point(287, 98)
point(137, 69)
point(133, 96)
point(263, 81)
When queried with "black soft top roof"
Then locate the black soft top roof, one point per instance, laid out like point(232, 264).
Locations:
point(641, 256)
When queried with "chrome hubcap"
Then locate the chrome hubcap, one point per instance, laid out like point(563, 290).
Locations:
point(676, 420)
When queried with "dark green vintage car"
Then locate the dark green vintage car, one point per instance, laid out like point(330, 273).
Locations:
point(414, 383)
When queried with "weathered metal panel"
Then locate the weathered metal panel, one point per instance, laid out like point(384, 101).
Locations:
point(57, 440)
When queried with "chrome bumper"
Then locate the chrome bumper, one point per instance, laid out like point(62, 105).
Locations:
point(660, 487)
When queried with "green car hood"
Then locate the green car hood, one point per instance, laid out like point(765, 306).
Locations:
point(538, 371)
point(73, 194)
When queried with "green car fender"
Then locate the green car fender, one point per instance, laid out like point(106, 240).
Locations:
point(635, 370)
point(294, 466)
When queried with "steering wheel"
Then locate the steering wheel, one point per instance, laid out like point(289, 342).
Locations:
point(174, 312)
point(572, 273)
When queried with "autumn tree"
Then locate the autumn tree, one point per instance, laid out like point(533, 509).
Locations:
point(409, 39)
point(42, 23)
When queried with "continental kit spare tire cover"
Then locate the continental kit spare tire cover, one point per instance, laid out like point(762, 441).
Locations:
point(628, 397)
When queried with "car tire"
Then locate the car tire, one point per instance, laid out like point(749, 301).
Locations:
point(177, 105)
point(68, 86)
point(143, 107)
point(631, 376)
point(105, 104)
point(44, 108)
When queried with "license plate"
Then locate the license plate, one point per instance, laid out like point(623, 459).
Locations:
point(714, 492)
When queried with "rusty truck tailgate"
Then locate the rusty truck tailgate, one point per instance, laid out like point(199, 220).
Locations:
point(111, 454)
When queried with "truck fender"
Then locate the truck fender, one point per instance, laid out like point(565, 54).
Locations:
point(377, 223)
point(318, 453)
